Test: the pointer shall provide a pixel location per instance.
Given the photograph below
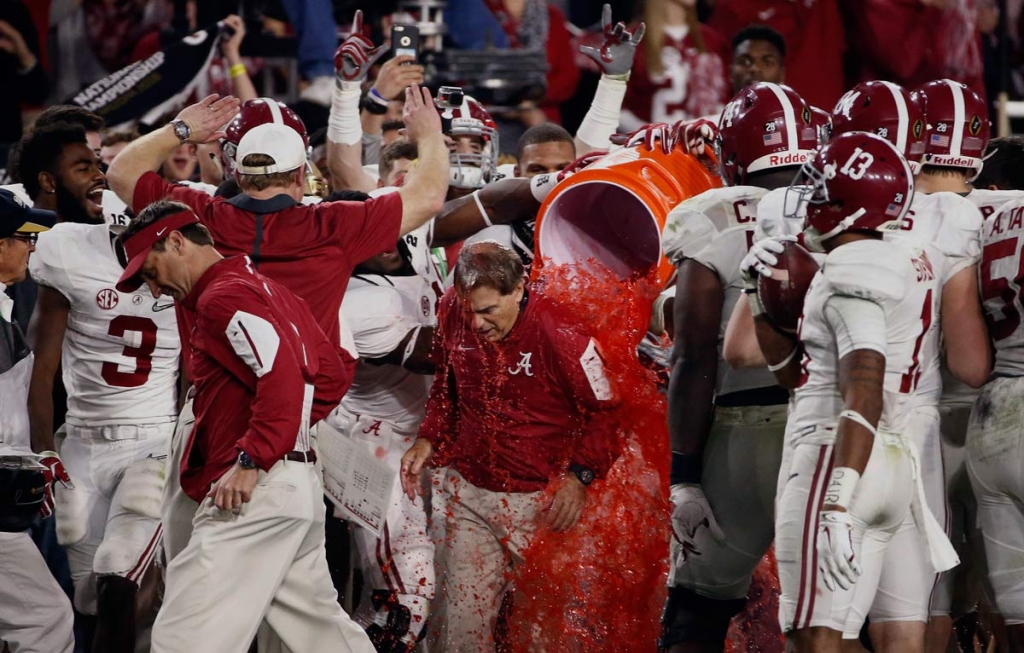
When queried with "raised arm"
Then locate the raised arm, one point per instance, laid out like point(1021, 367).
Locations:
point(426, 184)
point(503, 202)
point(204, 120)
point(241, 83)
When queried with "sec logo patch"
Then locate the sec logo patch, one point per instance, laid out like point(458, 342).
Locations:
point(107, 299)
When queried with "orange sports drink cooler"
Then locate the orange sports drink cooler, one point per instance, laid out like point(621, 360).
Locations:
point(612, 212)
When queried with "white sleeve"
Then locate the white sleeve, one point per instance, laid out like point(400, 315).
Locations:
point(377, 319)
point(47, 265)
point(724, 254)
point(866, 269)
point(686, 233)
point(857, 324)
point(960, 237)
point(602, 119)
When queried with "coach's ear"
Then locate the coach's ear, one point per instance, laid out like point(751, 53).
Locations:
point(47, 182)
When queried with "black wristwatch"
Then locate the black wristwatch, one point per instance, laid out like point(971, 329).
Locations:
point(374, 108)
point(181, 130)
point(244, 461)
point(585, 474)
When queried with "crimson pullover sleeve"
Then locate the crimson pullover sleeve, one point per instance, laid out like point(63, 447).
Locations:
point(151, 187)
point(241, 324)
point(583, 376)
point(440, 426)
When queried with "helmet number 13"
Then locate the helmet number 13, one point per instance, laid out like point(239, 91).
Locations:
point(857, 164)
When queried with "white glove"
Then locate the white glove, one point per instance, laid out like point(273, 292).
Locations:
point(690, 512)
point(835, 550)
point(760, 258)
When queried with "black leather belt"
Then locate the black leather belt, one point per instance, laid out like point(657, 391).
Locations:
point(301, 456)
point(769, 396)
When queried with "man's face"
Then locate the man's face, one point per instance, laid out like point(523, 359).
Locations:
point(388, 263)
point(756, 61)
point(79, 185)
point(541, 158)
point(166, 272)
point(108, 152)
point(489, 313)
point(181, 165)
point(14, 253)
point(396, 176)
point(95, 142)
point(465, 144)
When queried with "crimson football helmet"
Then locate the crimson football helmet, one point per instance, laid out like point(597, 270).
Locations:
point(887, 110)
point(821, 120)
point(858, 181)
point(260, 111)
point(471, 170)
point(958, 127)
point(765, 126)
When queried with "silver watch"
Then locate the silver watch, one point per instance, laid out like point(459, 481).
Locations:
point(181, 130)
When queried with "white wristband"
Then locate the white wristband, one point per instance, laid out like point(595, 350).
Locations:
point(480, 207)
point(860, 419)
point(344, 126)
point(841, 486)
point(602, 120)
point(542, 185)
point(778, 366)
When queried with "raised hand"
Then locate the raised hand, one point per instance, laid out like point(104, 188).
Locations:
point(615, 56)
point(356, 54)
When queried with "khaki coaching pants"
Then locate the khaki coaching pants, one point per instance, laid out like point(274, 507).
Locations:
point(267, 563)
point(486, 535)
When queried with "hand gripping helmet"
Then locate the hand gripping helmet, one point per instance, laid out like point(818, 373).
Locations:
point(472, 170)
point(958, 127)
point(887, 110)
point(765, 126)
point(859, 182)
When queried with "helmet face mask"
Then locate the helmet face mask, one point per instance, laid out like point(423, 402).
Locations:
point(471, 170)
point(858, 182)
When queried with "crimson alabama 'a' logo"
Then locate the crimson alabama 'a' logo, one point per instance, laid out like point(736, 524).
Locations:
point(106, 299)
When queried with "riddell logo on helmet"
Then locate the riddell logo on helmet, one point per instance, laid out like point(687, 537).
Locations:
point(950, 161)
point(789, 158)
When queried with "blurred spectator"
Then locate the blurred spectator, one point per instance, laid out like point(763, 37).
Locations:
point(813, 33)
point(114, 142)
point(534, 24)
point(911, 42)
point(181, 165)
point(112, 28)
point(23, 78)
point(391, 131)
point(680, 72)
point(758, 55)
point(317, 34)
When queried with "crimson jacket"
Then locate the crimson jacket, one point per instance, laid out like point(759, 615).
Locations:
point(511, 415)
point(310, 249)
point(263, 372)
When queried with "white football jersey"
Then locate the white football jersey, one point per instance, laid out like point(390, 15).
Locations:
point(1002, 280)
point(381, 311)
point(989, 201)
point(948, 227)
point(771, 214)
point(115, 211)
point(716, 228)
point(120, 353)
point(897, 278)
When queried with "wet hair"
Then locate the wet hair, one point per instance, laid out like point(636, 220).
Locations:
point(1004, 164)
point(488, 264)
point(399, 149)
point(159, 210)
point(760, 33)
point(546, 132)
point(40, 150)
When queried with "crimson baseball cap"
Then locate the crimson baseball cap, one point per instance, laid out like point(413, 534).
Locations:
point(280, 142)
point(16, 216)
point(135, 248)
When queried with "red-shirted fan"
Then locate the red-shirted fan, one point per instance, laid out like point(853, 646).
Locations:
point(887, 110)
point(765, 126)
point(958, 127)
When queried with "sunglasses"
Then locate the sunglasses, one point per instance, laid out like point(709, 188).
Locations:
point(30, 238)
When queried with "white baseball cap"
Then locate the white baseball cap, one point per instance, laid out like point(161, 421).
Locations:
point(280, 142)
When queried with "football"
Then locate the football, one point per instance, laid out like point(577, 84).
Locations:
point(782, 294)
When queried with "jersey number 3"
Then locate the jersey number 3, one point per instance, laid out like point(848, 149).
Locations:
point(143, 354)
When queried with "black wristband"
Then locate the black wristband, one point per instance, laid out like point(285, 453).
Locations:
point(685, 469)
point(372, 107)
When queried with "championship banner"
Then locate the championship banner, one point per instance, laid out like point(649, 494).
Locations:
point(146, 89)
